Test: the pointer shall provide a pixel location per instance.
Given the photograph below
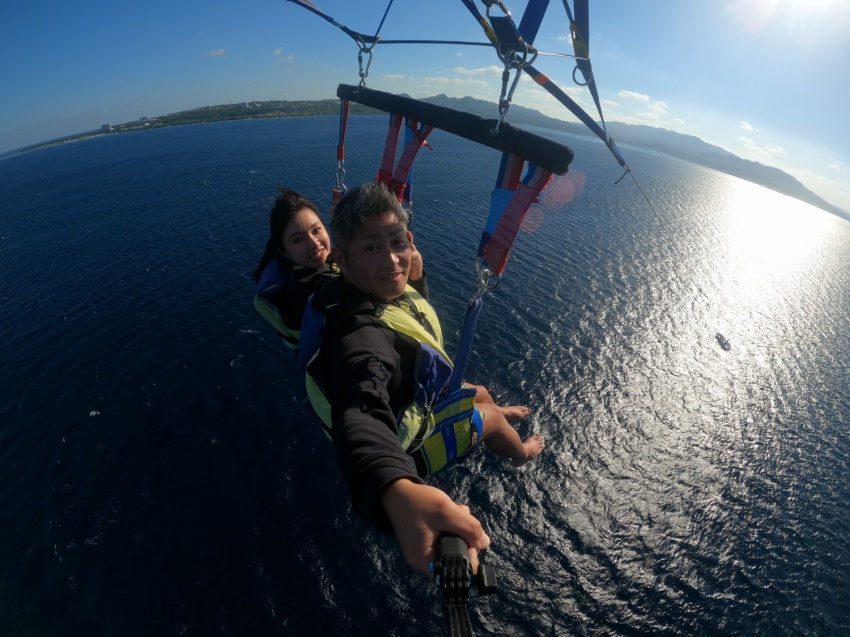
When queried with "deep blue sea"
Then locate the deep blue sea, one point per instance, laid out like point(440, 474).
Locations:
point(162, 474)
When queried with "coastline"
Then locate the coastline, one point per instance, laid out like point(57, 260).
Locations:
point(206, 114)
point(658, 140)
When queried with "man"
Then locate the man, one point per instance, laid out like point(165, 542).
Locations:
point(382, 368)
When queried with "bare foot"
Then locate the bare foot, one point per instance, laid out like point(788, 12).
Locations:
point(515, 413)
point(533, 446)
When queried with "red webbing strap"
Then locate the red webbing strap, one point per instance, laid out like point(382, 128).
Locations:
point(385, 172)
point(497, 250)
point(405, 163)
point(344, 108)
point(339, 187)
point(510, 171)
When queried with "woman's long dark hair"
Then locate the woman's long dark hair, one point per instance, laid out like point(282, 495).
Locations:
point(286, 206)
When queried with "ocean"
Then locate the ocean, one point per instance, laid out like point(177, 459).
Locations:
point(161, 472)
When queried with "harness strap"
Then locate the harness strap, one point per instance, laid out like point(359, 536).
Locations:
point(509, 203)
point(339, 188)
point(507, 180)
point(398, 179)
point(402, 183)
point(385, 171)
point(470, 322)
point(497, 250)
point(510, 171)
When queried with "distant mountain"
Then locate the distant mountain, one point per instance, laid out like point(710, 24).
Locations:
point(687, 147)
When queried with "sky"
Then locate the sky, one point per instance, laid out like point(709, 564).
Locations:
point(764, 79)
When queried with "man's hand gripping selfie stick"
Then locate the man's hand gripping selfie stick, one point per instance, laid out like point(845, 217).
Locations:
point(453, 576)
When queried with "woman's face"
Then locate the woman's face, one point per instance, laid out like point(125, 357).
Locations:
point(305, 239)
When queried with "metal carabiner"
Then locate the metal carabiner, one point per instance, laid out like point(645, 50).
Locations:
point(340, 175)
point(340, 188)
point(499, 4)
point(485, 280)
point(506, 97)
point(364, 72)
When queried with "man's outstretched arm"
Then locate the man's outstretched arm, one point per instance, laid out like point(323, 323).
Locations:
point(420, 513)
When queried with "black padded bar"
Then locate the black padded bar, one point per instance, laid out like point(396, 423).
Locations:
point(549, 154)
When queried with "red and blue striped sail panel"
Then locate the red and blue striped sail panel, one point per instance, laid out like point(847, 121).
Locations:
point(498, 248)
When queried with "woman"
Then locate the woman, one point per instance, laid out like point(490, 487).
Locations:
point(293, 266)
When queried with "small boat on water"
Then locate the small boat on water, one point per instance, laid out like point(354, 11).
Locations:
point(723, 342)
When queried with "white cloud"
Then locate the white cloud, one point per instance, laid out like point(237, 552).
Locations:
point(287, 60)
point(395, 77)
point(278, 51)
point(656, 115)
point(216, 53)
point(746, 126)
point(640, 97)
point(776, 151)
point(765, 153)
point(487, 70)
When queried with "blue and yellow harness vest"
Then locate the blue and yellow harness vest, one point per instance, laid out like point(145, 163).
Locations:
point(435, 427)
point(282, 293)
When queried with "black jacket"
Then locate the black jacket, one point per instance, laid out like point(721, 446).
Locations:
point(367, 372)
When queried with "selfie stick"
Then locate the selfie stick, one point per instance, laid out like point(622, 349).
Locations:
point(453, 576)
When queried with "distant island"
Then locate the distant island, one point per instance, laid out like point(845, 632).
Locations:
point(686, 147)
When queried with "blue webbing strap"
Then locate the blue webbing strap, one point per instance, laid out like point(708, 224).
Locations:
point(580, 31)
point(532, 18)
point(354, 35)
point(470, 322)
point(576, 110)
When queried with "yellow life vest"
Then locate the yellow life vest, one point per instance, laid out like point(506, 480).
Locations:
point(422, 422)
point(282, 282)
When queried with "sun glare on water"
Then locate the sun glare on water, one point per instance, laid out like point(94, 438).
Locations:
point(773, 232)
point(771, 240)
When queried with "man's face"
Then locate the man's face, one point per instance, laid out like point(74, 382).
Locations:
point(378, 258)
